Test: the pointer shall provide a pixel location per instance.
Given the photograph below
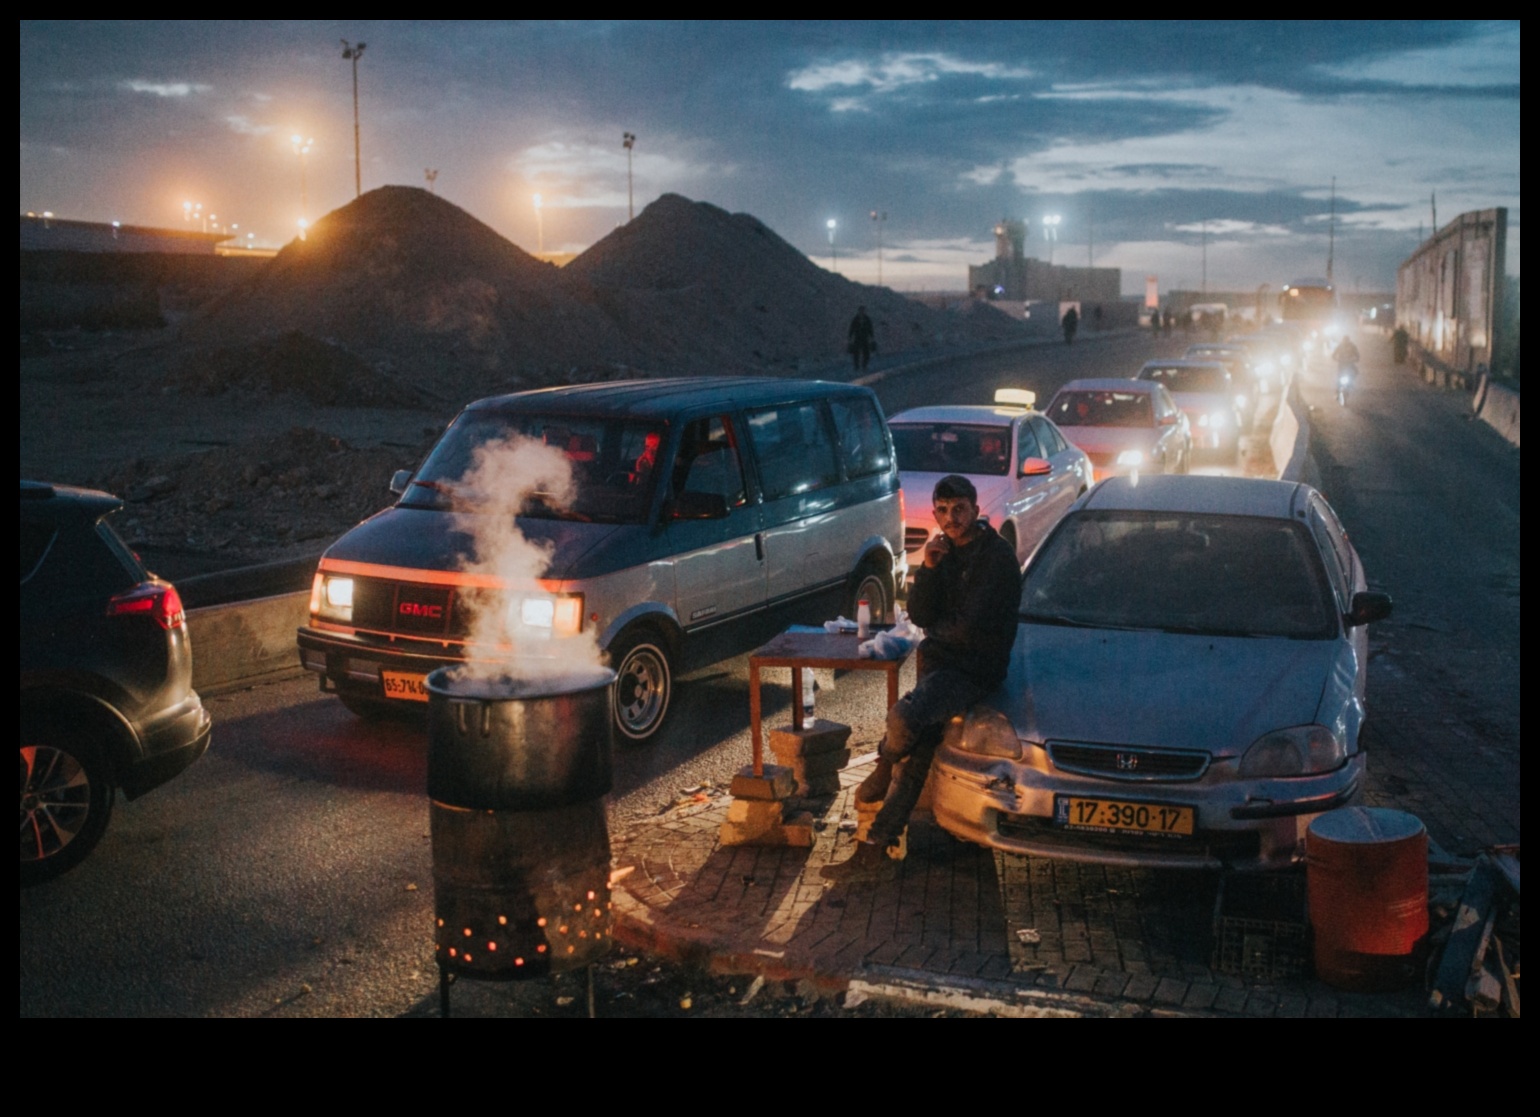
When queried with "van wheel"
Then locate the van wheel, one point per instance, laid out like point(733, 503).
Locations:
point(877, 589)
point(644, 686)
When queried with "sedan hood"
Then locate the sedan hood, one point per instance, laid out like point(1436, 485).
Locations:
point(422, 539)
point(1162, 690)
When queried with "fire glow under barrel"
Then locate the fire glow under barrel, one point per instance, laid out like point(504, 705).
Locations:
point(517, 771)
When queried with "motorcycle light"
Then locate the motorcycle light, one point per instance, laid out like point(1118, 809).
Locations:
point(1131, 457)
point(1304, 750)
point(986, 732)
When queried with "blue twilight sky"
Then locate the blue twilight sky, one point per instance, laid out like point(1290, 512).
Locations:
point(1148, 140)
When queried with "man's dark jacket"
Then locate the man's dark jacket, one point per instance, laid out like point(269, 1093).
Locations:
point(967, 606)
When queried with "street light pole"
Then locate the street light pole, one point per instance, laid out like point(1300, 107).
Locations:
point(539, 226)
point(302, 146)
point(877, 219)
point(629, 140)
point(1050, 225)
point(353, 52)
point(834, 259)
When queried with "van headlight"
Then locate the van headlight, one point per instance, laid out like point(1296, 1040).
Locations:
point(554, 614)
point(1304, 750)
point(1131, 457)
point(985, 732)
point(331, 598)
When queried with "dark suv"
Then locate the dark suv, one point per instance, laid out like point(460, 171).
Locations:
point(106, 677)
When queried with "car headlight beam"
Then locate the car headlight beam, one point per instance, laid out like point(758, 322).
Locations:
point(331, 597)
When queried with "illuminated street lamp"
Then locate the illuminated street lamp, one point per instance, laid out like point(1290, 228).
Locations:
point(833, 256)
point(1051, 224)
point(352, 52)
point(628, 140)
point(539, 225)
point(193, 211)
point(302, 146)
point(878, 218)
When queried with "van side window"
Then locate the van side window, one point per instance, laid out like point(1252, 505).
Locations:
point(795, 451)
point(863, 442)
point(708, 461)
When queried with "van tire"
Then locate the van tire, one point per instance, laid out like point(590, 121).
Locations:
point(644, 685)
point(876, 588)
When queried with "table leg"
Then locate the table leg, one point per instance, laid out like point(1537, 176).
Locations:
point(796, 698)
point(754, 730)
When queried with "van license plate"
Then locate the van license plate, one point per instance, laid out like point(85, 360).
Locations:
point(1118, 816)
point(405, 685)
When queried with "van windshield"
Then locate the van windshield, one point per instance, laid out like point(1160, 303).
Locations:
point(613, 465)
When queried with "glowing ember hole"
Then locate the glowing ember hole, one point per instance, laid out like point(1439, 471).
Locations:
point(491, 946)
point(571, 950)
point(582, 934)
point(453, 953)
point(577, 907)
point(468, 957)
point(540, 949)
point(440, 922)
point(562, 929)
point(540, 922)
point(518, 961)
point(502, 920)
point(467, 932)
point(597, 913)
point(590, 894)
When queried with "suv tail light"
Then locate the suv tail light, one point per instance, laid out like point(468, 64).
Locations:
point(158, 600)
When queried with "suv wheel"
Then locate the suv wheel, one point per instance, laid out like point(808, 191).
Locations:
point(66, 800)
point(644, 685)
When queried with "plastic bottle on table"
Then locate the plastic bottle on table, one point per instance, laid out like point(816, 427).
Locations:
point(807, 694)
point(863, 619)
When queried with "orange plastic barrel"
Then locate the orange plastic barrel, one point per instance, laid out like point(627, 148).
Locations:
point(1367, 883)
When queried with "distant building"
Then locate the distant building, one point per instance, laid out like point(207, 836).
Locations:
point(1013, 277)
point(52, 234)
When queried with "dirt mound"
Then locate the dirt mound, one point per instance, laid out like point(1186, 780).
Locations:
point(424, 293)
point(292, 363)
point(707, 289)
point(257, 500)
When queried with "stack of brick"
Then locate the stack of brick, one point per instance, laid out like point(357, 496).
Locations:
point(815, 754)
point(757, 815)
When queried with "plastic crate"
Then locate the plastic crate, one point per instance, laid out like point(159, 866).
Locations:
point(1261, 933)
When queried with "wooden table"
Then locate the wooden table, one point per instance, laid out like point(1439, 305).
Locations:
point(803, 651)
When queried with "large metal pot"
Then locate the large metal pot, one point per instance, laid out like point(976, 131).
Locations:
point(519, 744)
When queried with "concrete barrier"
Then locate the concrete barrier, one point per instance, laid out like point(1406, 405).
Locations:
point(1499, 409)
point(246, 642)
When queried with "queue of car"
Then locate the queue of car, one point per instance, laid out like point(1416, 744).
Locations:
point(1188, 681)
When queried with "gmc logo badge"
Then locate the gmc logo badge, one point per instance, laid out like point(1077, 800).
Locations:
point(417, 609)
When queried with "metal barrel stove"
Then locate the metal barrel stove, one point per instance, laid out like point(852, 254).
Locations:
point(517, 772)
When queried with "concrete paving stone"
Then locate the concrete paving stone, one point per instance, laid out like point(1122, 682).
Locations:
point(996, 967)
point(1140, 987)
point(1231, 1000)
point(1200, 996)
point(1136, 966)
point(1110, 984)
point(1292, 1005)
point(1170, 991)
point(1052, 978)
point(1076, 951)
point(964, 963)
point(916, 956)
point(887, 952)
point(1082, 979)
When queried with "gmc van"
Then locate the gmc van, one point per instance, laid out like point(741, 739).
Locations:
point(709, 513)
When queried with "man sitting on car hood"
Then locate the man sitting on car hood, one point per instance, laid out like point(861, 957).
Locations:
point(965, 598)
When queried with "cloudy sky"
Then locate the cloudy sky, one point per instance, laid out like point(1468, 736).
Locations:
point(1151, 141)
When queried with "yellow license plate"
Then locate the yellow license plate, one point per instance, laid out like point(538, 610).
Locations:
point(1121, 816)
point(405, 685)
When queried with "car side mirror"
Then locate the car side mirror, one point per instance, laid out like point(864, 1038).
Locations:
point(1169, 419)
point(1367, 608)
point(700, 506)
point(1036, 467)
point(399, 480)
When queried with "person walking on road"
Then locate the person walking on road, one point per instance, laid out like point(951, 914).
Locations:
point(965, 598)
point(862, 339)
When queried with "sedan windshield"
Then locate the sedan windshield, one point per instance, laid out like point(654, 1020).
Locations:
point(1188, 378)
point(1101, 409)
point(952, 448)
point(612, 465)
point(1205, 574)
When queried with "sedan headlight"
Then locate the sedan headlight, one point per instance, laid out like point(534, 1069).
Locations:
point(331, 598)
point(986, 732)
point(557, 614)
point(1131, 457)
point(1304, 750)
